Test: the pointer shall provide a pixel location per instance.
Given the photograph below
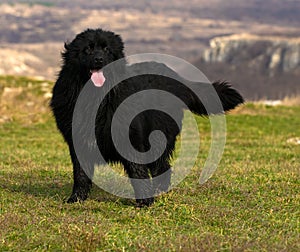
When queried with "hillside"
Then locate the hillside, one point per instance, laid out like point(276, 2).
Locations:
point(260, 66)
point(32, 33)
point(264, 54)
point(269, 11)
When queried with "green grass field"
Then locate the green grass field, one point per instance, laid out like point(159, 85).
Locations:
point(252, 203)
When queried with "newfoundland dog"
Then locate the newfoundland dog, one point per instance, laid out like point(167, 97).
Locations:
point(84, 61)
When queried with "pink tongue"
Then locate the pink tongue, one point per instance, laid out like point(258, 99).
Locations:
point(98, 78)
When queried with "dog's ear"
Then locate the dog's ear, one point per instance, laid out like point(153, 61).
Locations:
point(119, 47)
point(67, 45)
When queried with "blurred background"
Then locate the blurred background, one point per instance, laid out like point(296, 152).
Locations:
point(255, 44)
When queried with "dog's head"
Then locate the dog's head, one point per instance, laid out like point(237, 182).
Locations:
point(90, 51)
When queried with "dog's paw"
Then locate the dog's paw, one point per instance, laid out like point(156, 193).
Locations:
point(144, 202)
point(73, 198)
point(77, 197)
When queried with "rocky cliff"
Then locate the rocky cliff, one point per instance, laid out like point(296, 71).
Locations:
point(264, 54)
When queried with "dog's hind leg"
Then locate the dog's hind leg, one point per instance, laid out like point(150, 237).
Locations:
point(161, 175)
point(141, 183)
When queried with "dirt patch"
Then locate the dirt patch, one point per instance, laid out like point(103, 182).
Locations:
point(294, 140)
point(26, 105)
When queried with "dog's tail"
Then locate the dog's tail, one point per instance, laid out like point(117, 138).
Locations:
point(230, 97)
point(207, 99)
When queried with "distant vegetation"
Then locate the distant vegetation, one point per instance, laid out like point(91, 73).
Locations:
point(47, 4)
point(252, 84)
point(31, 2)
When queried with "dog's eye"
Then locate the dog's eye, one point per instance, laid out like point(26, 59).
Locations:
point(106, 49)
point(89, 49)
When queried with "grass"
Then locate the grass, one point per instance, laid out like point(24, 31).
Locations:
point(292, 101)
point(250, 204)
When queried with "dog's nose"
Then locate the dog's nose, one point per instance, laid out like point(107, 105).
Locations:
point(98, 59)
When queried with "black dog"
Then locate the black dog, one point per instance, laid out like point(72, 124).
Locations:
point(83, 59)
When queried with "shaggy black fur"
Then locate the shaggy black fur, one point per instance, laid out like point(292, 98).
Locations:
point(92, 50)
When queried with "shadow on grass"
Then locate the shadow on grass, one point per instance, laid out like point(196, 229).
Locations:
point(54, 188)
